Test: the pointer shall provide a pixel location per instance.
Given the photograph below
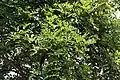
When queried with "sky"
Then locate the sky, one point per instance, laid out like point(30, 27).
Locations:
point(118, 14)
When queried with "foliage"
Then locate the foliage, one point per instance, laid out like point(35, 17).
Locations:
point(58, 40)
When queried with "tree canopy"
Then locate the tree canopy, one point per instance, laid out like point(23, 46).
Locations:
point(59, 40)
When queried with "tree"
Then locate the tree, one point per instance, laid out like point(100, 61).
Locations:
point(58, 40)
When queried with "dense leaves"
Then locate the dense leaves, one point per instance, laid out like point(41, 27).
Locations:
point(58, 40)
